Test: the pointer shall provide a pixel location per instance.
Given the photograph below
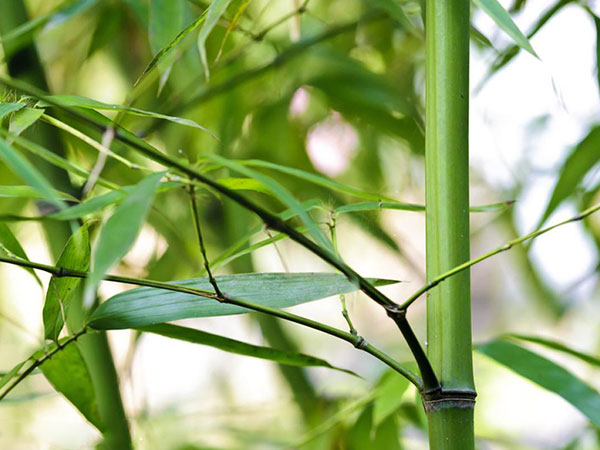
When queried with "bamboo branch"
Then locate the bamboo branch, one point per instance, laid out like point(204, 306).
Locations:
point(271, 220)
point(38, 362)
point(433, 283)
point(357, 341)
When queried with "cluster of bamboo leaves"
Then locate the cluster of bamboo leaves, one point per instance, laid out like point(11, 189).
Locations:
point(183, 137)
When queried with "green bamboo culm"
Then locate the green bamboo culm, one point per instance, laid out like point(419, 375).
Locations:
point(449, 411)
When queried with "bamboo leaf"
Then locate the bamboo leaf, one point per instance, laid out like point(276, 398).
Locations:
point(590, 359)
point(503, 19)
point(22, 167)
point(244, 184)
point(163, 52)
point(238, 347)
point(286, 197)
point(394, 10)
point(119, 233)
point(8, 108)
point(214, 13)
point(69, 374)
point(146, 306)
point(579, 162)
point(88, 103)
point(11, 243)
point(318, 180)
point(29, 192)
point(165, 22)
point(90, 206)
point(62, 290)
point(390, 391)
point(12, 373)
point(546, 374)
point(23, 119)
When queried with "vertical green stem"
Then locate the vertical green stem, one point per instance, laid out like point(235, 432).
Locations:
point(450, 412)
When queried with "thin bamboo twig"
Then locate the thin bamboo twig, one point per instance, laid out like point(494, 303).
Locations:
point(494, 252)
point(357, 341)
point(196, 219)
point(38, 362)
point(271, 220)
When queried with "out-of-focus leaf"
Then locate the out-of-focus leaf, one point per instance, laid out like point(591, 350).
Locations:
point(119, 233)
point(390, 391)
point(68, 373)
point(146, 306)
point(318, 180)
point(284, 195)
point(597, 25)
point(505, 22)
point(582, 158)
point(88, 103)
point(23, 35)
point(480, 38)
point(394, 10)
point(11, 243)
point(99, 202)
point(165, 22)
point(546, 374)
point(23, 119)
point(7, 108)
point(215, 11)
point(8, 376)
point(62, 290)
point(28, 173)
point(29, 192)
point(170, 46)
point(590, 359)
point(366, 435)
point(89, 206)
point(244, 184)
point(238, 347)
point(232, 24)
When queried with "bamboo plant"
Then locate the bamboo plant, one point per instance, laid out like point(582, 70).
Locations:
point(195, 67)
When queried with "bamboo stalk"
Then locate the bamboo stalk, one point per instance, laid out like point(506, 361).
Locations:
point(449, 411)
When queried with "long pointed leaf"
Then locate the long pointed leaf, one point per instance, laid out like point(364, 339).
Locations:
point(215, 11)
point(11, 243)
point(503, 19)
point(283, 194)
point(238, 347)
point(62, 290)
point(590, 359)
point(119, 233)
point(146, 306)
point(546, 374)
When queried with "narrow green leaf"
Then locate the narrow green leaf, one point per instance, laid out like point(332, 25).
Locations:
point(90, 206)
point(12, 373)
point(163, 52)
point(146, 306)
point(11, 243)
point(318, 180)
point(29, 192)
point(22, 167)
point(394, 10)
point(68, 373)
point(286, 197)
point(238, 347)
point(62, 290)
point(390, 391)
point(546, 374)
point(51, 157)
point(88, 103)
point(215, 11)
point(7, 108)
point(165, 22)
point(23, 119)
point(579, 162)
point(244, 184)
point(503, 19)
point(119, 233)
point(590, 359)
point(597, 25)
